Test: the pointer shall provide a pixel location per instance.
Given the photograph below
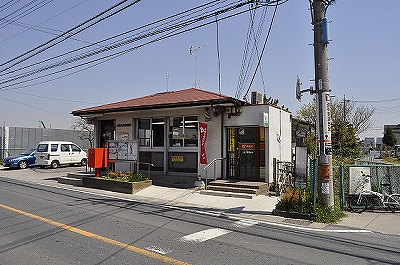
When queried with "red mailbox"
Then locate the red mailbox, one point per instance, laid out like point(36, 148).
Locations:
point(98, 158)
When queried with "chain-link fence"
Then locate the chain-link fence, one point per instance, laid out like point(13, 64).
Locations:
point(15, 140)
point(387, 174)
point(381, 173)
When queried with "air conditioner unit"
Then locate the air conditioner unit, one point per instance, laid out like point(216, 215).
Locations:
point(257, 98)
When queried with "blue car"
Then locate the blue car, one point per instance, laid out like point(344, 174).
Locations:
point(24, 160)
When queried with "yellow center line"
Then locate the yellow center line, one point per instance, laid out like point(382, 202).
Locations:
point(98, 237)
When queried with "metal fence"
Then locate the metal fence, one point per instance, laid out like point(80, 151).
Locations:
point(14, 140)
point(380, 173)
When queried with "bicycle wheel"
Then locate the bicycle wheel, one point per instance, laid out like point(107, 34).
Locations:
point(393, 202)
point(358, 206)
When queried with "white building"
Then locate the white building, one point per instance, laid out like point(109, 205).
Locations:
point(183, 131)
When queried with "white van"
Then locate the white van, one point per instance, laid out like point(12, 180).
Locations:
point(55, 153)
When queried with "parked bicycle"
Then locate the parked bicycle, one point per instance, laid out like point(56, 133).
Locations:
point(359, 203)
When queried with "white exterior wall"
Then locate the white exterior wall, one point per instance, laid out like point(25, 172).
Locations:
point(278, 133)
point(278, 142)
point(213, 144)
point(279, 125)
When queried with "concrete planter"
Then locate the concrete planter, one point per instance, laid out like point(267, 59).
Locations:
point(115, 185)
point(294, 215)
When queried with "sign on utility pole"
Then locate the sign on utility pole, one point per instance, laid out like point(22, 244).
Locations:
point(322, 90)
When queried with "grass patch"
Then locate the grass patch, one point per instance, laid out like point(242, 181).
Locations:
point(126, 176)
point(391, 160)
point(329, 215)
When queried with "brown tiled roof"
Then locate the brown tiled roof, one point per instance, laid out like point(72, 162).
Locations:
point(186, 97)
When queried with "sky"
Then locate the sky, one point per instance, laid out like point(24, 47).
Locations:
point(363, 67)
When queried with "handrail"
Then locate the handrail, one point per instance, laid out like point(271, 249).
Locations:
point(144, 163)
point(213, 162)
point(137, 163)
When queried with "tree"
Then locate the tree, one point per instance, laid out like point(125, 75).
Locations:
point(359, 116)
point(388, 137)
point(86, 130)
point(345, 145)
point(348, 121)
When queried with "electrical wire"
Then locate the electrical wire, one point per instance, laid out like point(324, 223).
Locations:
point(263, 49)
point(31, 7)
point(218, 55)
point(39, 28)
point(66, 35)
point(249, 56)
point(177, 28)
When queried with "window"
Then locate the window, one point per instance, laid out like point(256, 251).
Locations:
point(151, 132)
point(42, 148)
point(157, 129)
point(144, 132)
point(75, 148)
point(54, 147)
point(191, 131)
point(65, 148)
point(176, 131)
point(184, 131)
point(107, 131)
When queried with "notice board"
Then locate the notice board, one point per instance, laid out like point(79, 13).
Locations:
point(123, 150)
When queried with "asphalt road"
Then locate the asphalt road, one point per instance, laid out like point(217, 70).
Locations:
point(47, 225)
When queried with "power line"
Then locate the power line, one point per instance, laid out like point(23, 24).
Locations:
point(377, 101)
point(39, 28)
point(249, 58)
point(263, 49)
point(30, 8)
point(172, 26)
point(68, 34)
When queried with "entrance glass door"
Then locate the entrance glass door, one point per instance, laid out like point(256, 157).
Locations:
point(243, 153)
point(247, 161)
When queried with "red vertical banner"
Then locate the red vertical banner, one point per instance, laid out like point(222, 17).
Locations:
point(203, 138)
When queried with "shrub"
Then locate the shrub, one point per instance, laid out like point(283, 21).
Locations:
point(295, 200)
point(301, 201)
point(126, 176)
point(329, 215)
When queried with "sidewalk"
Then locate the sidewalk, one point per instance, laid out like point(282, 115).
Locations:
point(259, 208)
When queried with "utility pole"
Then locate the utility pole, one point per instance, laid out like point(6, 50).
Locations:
point(322, 90)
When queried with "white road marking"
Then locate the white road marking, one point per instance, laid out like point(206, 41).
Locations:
point(205, 235)
point(159, 250)
point(197, 211)
point(244, 223)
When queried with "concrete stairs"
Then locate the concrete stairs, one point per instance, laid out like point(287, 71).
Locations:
point(235, 188)
point(75, 178)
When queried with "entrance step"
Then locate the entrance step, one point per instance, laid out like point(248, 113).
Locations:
point(228, 194)
point(230, 188)
point(75, 178)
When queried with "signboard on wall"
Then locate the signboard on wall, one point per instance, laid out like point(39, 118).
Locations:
point(177, 158)
point(265, 119)
point(123, 150)
point(359, 179)
point(231, 140)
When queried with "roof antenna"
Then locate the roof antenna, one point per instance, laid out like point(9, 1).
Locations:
point(192, 51)
point(167, 76)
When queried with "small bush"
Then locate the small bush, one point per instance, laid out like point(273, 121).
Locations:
point(301, 201)
point(329, 215)
point(295, 200)
point(126, 176)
